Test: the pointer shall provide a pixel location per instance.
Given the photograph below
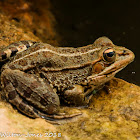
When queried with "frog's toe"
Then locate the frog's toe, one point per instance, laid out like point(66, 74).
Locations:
point(65, 116)
point(58, 117)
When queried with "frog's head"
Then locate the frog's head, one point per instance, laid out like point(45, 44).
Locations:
point(111, 59)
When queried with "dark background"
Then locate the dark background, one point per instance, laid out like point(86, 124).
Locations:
point(81, 22)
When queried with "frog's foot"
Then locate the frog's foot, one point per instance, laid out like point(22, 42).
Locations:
point(57, 118)
point(60, 116)
point(78, 95)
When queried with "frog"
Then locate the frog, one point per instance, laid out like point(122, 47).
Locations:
point(36, 75)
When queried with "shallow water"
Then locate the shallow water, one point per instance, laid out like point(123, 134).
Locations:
point(82, 22)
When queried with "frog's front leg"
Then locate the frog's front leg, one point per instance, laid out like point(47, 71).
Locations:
point(29, 93)
point(78, 95)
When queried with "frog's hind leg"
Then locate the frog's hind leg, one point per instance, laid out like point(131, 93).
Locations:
point(15, 48)
point(31, 95)
point(19, 86)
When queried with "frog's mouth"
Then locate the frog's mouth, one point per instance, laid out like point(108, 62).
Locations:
point(123, 58)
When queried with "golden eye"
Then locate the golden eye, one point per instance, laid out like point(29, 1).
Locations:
point(109, 55)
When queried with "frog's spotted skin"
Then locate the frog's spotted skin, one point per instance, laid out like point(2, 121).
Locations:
point(15, 48)
point(37, 73)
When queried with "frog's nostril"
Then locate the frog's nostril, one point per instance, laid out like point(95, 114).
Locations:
point(124, 51)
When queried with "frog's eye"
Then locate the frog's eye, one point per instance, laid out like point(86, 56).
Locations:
point(109, 55)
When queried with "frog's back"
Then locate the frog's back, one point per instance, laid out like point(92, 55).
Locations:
point(52, 58)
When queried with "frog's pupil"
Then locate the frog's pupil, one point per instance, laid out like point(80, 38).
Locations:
point(110, 54)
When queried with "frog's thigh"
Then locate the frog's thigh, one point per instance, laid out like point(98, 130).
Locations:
point(76, 95)
point(29, 93)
